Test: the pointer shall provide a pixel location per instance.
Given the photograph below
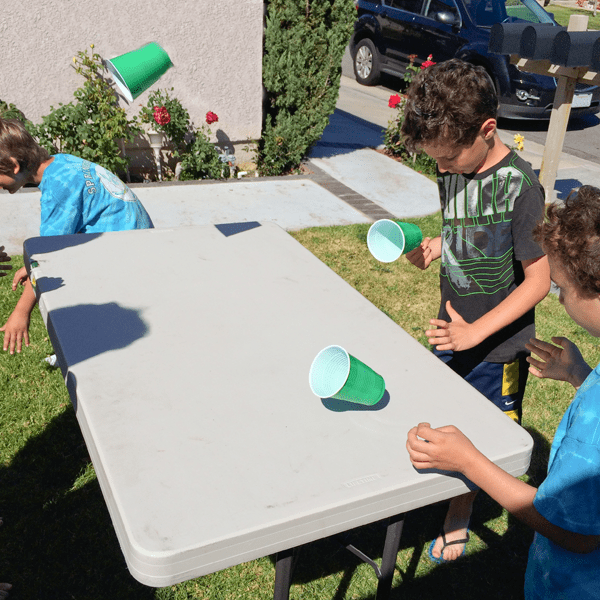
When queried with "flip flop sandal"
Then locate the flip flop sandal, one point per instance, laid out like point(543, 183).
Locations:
point(440, 559)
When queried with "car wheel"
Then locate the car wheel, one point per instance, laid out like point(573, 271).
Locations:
point(366, 63)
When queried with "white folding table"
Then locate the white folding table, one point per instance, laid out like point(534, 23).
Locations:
point(186, 353)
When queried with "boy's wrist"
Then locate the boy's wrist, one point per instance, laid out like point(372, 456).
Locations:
point(579, 374)
point(478, 333)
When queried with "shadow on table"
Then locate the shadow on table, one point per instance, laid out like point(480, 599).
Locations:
point(56, 243)
point(335, 405)
point(496, 570)
point(104, 327)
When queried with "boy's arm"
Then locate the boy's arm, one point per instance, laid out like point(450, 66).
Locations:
point(448, 449)
point(16, 328)
point(460, 335)
point(562, 362)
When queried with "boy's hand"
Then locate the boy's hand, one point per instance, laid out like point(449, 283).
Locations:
point(3, 259)
point(562, 362)
point(455, 335)
point(445, 448)
point(423, 255)
point(16, 329)
point(19, 278)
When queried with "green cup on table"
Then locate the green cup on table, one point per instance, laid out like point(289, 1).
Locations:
point(335, 373)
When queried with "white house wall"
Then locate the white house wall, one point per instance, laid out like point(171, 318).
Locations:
point(215, 45)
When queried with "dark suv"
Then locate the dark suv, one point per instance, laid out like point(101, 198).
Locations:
point(388, 32)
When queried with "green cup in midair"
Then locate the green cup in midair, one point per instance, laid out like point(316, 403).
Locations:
point(389, 240)
point(136, 71)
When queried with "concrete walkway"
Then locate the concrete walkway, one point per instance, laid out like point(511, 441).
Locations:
point(350, 183)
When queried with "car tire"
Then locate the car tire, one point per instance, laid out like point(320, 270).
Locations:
point(366, 63)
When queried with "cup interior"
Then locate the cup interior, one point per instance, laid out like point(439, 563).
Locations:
point(329, 371)
point(385, 240)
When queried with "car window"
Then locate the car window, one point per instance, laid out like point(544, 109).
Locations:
point(488, 12)
point(433, 7)
point(413, 6)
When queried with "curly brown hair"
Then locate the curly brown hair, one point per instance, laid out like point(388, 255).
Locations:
point(448, 101)
point(16, 142)
point(571, 235)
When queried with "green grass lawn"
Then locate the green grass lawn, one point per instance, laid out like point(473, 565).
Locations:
point(58, 543)
point(562, 15)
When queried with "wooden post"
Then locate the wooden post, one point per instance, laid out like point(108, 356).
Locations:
point(559, 119)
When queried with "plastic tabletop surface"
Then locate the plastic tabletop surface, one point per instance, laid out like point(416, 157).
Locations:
point(186, 353)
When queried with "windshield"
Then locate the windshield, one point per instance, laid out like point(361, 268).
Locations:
point(488, 12)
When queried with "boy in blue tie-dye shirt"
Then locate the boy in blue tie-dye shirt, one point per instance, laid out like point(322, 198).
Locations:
point(78, 196)
point(564, 559)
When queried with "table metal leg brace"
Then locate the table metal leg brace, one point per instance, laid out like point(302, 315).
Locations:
point(286, 560)
point(385, 573)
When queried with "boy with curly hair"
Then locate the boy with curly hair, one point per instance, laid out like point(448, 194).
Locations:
point(492, 272)
point(78, 196)
point(564, 558)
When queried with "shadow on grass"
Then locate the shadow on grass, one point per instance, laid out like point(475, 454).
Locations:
point(495, 571)
point(57, 541)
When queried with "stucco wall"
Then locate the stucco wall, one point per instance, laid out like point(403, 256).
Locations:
point(215, 45)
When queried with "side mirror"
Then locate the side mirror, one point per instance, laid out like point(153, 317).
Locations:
point(447, 17)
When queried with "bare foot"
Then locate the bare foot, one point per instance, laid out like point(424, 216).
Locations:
point(455, 527)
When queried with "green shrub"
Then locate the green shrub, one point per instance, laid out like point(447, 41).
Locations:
point(94, 125)
point(179, 124)
point(10, 111)
point(200, 160)
point(198, 156)
point(394, 143)
point(304, 44)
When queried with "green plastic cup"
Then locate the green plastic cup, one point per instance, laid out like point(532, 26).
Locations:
point(389, 240)
point(134, 72)
point(336, 374)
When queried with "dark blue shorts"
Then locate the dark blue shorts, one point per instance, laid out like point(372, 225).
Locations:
point(501, 383)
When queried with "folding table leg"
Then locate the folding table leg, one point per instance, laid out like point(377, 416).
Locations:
point(284, 567)
point(388, 559)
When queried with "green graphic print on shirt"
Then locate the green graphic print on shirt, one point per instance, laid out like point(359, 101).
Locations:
point(487, 223)
point(477, 244)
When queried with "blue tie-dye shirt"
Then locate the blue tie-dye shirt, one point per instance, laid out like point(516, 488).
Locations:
point(79, 196)
point(570, 498)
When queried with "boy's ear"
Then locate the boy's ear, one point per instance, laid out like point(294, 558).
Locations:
point(488, 129)
point(17, 165)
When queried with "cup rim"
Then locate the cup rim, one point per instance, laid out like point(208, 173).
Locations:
point(369, 245)
point(313, 366)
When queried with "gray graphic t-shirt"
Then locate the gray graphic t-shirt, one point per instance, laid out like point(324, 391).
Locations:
point(487, 223)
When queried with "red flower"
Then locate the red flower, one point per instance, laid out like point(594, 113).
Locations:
point(428, 62)
point(394, 100)
point(161, 115)
point(211, 117)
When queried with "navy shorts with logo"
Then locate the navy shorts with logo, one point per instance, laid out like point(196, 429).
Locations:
point(501, 383)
